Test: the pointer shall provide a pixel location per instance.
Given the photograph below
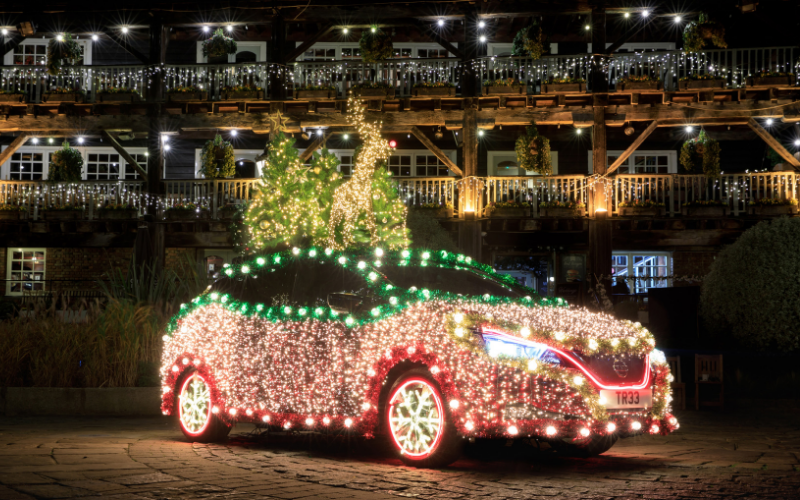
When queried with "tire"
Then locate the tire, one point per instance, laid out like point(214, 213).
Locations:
point(414, 398)
point(195, 418)
point(589, 447)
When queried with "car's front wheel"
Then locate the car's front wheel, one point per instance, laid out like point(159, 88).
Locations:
point(584, 447)
point(419, 426)
point(195, 416)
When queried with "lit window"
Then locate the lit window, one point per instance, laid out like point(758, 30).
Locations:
point(641, 270)
point(26, 270)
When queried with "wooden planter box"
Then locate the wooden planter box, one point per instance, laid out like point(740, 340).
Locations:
point(226, 214)
point(63, 214)
point(505, 90)
point(118, 97)
point(439, 213)
point(708, 211)
point(187, 214)
point(702, 84)
point(561, 212)
point(187, 96)
point(381, 93)
point(775, 210)
point(10, 214)
point(654, 85)
point(510, 213)
point(71, 97)
point(640, 212)
point(560, 88)
point(770, 81)
point(434, 91)
point(117, 214)
point(238, 96)
point(12, 97)
point(315, 94)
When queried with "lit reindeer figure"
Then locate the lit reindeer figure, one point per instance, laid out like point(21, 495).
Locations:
point(354, 197)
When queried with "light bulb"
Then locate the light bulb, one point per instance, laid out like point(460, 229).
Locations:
point(627, 15)
point(769, 122)
point(797, 142)
point(440, 22)
point(585, 432)
point(230, 28)
point(5, 32)
point(345, 31)
point(586, 27)
point(234, 132)
point(482, 24)
point(689, 129)
point(95, 37)
point(611, 427)
point(373, 30)
point(80, 140)
point(677, 20)
point(60, 38)
point(346, 137)
point(205, 29)
point(578, 131)
point(645, 13)
point(550, 431)
point(124, 30)
point(483, 39)
point(35, 140)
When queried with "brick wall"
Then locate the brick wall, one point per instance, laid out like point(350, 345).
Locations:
point(692, 262)
point(80, 268)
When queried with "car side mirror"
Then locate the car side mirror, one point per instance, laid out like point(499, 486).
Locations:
point(344, 303)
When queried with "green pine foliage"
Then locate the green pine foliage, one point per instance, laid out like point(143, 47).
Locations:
point(219, 45)
point(62, 53)
point(389, 212)
point(217, 160)
point(698, 33)
point(530, 42)
point(427, 233)
point(533, 152)
point(66, 165)
point(701, 151)
point(375, 47)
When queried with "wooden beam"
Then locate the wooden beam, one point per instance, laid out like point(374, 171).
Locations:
point(317, 143)
point(433, 148)
point(427, 30)
point(633, 147)
point(300, 50)
point(130, 50)
point(14, 146)
point(13, 43)
point(773, 143)
point(128, 158)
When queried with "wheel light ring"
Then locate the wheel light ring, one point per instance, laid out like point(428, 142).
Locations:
point(439, 408)
point(180, 406)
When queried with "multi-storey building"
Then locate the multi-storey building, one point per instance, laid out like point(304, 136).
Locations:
point(610, 145)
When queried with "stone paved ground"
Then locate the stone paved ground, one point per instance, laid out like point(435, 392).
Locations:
point(732, 455)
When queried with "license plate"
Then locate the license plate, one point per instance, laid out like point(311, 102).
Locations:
point(643, 398)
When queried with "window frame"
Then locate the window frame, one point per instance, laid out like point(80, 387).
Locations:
point(495, 157)
point(495, 49)
point(413, 153)
point(8, 59)
point(260, 48)
point(671, 154)
point(239, 154)
point(47, 150)
point(9, 259)
point(630, 254)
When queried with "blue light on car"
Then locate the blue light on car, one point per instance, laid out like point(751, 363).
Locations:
point(497, 346)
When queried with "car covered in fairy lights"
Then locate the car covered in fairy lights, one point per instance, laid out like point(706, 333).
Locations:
point(424, 349)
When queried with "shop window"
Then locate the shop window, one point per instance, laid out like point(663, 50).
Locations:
point(26, 270)
point(640, 271)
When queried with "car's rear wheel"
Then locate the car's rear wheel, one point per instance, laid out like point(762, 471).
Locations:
point(584, 447)
point(198, 423)
point(419, 426)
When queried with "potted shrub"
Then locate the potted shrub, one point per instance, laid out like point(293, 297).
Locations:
point(219, 46)
point(509, 209)
point(327, 91)
point(12, 95)
point(554, 208)
point(438, 210)
point(373, 89)
point(11, 212)
point(439, 89)
point(704, 208)
point(701, 81)
point(62, 51)
point(118, 211)
point(698, 33)
point(63, 212)
point(533, 152)
point(504, 87)
point(241, 92)
point(63, 94)
point(771, 79)
point(640, 208)
point(118, 94)
point(701, 150)
point(530, 42)
point(639, 82)
point(564, 85)
point(376, 45)
point(186, 93)
point(66, 165)
point(187, 211)
point(774, 206)
point(217, 160)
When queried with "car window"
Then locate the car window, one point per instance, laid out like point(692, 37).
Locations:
point(315, 280)
point(457, 281)
point(269, 288)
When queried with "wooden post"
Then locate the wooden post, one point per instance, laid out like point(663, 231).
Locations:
point(599, 160)
point(773, 143)
point(436, 151)
point(155, 95)
point(599, 76)
point(469, 84)
point(318, 142)
point(599, 225)
point(469, 229)
point(12, 148)
point(119, 149)
point(633, 147)
point(277, 55)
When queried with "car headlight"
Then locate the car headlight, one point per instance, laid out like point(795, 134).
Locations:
point(501, 344)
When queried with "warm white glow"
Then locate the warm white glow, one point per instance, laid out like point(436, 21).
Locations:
point(60, 38)
point(512, 429)
point(645, 13)
point(469, 426)
point(124, 30)
point(636, 426)
point(205, 29)
point(5, 32)
point(611, 427)
point(586, 27)
point(234, 132)
point(230, 28)
point(550, 431)
point(585, 432)
point(80, 140)
point(454, 404)
point(95, 37)
point(677, 19)
point(309, 422)
point(440, 22)
point(654, 429)
point(525, 331)
point(626, 15)
point(345, 31)
point(579, 131)
point(481, 24)
point(483, 39)
point(689, 129)
point(769, 121)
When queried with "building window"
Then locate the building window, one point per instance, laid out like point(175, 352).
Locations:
point(504, 164)
point(644, 162)
point(400, 165)
point(402, 52)
point(351, 53)
point(27, 166)
point(30, 55)
point(649, 270)
point(130, 173)
point(346, 164)
point(430, 166)
point(320, 55)
point(102, 167)
point(26, 268)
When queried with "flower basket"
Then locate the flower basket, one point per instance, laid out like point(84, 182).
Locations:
point(187, 96)
point(704, 211)
point(771, 81)
point(505, 90)
point(774, 210)
point(62, 97)
point(702, 84)
point(649, 85)
point(10, 214)
point(382, 93)
point(561, 212)
point(130, 213)
point(640, 211)
point(118, 97)
point(182, 214)
point(439, 213)
point(561, 88)
point(242, 94)
point(12, 97)
point(63, 214)
point(315, 94)
point(434, 91)
point(510, 213)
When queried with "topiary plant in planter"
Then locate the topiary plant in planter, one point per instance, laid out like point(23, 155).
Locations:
point(217, 160)
point(698, 33)
point(376, 45)
point(218, 45)
point(66, 165)
point(530, 42)
point(702, 150)
point(533, 152)
point(62, 51)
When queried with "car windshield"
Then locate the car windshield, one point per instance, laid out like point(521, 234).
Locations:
point(457, 281)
